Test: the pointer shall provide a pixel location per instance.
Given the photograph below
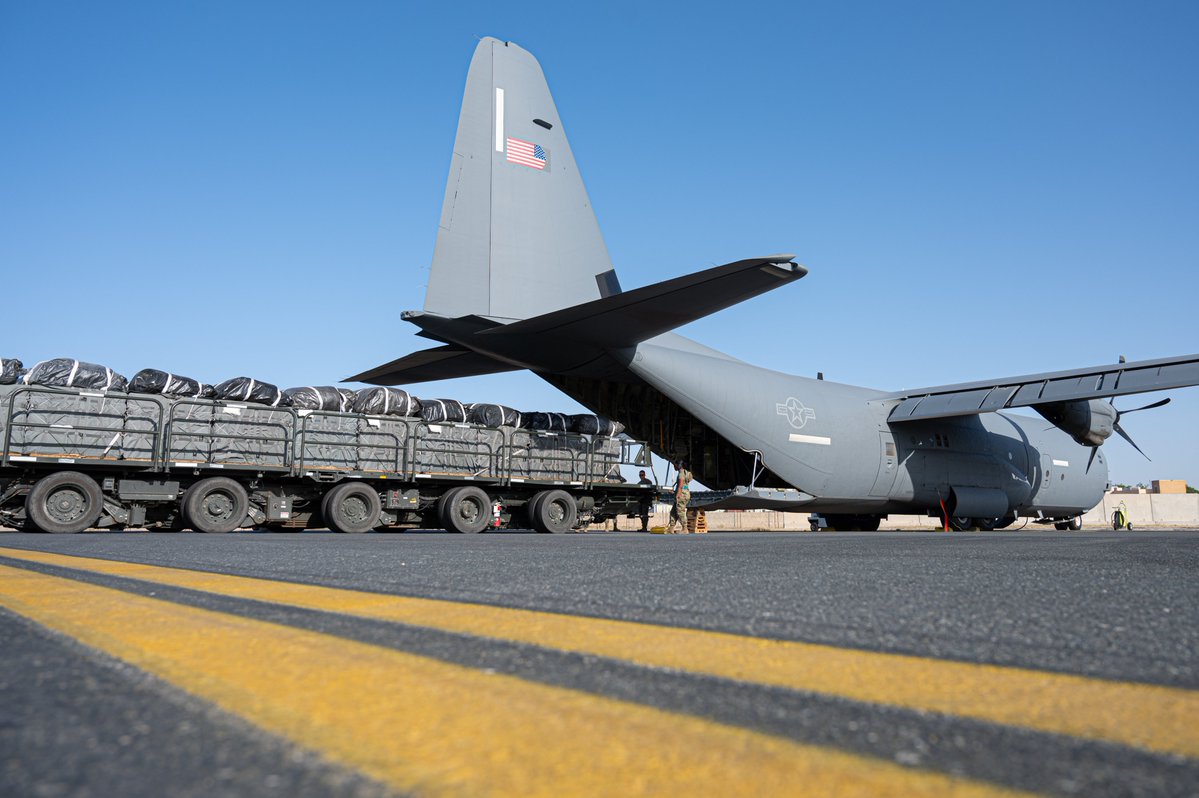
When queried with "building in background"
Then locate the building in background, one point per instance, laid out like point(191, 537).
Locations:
point(1156, 486)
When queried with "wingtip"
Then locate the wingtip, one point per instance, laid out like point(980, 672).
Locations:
point(787, 262)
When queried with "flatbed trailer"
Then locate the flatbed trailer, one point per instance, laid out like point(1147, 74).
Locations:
point(76, 459)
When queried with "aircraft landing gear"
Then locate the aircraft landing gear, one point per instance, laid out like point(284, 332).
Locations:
point(1072, 525)
point(960, 523)
point(842, 523)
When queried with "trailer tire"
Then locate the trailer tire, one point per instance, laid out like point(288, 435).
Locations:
point(352, 508)
point(216, 505)
point(64, 503)
point(466, 509)
point(553, 512)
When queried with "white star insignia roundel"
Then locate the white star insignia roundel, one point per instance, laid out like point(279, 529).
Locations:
point(795, 411)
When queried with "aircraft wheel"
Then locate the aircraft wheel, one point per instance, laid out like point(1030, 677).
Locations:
point(986, 524)
point(352, 508)
point(466, 509)
point(553, 512)
point(960, 523)
point(64, 503)
point(216, 505)
point(858, 523)
point(1061, 526)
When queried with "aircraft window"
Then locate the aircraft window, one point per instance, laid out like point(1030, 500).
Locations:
point(543, 123)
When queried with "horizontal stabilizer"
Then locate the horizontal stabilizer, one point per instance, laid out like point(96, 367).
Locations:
point(1098, 382)
point(628, 318)
point(440, 363)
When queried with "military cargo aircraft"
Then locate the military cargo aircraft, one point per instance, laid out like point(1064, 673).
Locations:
point(521, 279)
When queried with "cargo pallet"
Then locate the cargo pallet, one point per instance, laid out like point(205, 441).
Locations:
point(76, 459)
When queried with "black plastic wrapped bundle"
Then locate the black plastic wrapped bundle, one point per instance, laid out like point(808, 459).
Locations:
point(167, 384)
point(246, 389)
point(439, 410)
point(385, 402)
point(321, 397)
point(490, 415)
point(11, 370)
point(62, 372)
point(588, 424)
point(546, 422)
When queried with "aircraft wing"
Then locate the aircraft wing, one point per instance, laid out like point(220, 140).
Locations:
point(1099, 382)
point(439, 363)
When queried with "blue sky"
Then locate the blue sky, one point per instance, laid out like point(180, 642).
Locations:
point(979, 189)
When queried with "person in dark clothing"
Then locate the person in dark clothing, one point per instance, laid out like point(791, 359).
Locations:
point(645, 502)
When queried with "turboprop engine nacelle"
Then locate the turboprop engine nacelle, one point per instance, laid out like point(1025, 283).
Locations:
point(1088, 421)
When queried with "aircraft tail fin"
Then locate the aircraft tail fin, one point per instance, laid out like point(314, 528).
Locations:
point(517, 237)
point(521, 277)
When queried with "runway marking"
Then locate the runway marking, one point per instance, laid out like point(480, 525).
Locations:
point(1151, 717)
point(432, 728)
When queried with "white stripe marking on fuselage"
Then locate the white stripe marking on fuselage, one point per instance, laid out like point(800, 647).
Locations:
point(819, 440)
point(499, 119)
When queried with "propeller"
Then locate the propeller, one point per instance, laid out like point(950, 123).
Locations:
point(1116, 424)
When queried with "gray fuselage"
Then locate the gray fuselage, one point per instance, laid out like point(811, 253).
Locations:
point(833, 442)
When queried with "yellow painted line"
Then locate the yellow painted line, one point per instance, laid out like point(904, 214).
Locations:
point(433, 728)
point(1144, 716)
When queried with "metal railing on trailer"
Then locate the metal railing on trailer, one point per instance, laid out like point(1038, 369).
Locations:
point(158, 434)
point(86, 431)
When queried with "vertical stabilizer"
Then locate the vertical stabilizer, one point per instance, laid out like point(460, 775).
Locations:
point(517, 237)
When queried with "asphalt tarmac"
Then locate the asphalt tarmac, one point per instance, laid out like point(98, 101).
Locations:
point(1054, 663)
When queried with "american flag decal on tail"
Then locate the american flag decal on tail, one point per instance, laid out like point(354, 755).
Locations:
point(526, 153)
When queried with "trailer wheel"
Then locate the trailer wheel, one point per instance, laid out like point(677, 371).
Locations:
point(216, 505)
point(553, 512)
point(64, 503)
point(466, 509)
point(352, 507)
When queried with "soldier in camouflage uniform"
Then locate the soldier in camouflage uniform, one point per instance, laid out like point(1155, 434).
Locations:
point(682, 495)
